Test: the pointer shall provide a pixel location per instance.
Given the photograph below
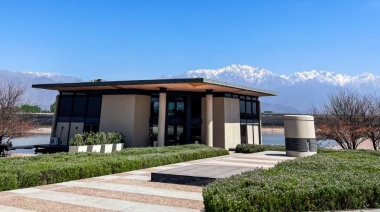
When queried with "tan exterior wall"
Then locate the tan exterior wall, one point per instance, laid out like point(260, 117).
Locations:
point(141, 121)
point(249, 134)
point(128, 114)
point(218, 120)
point(256, 134)
point(231, 122)
point(204, 125)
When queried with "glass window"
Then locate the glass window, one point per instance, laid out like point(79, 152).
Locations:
point(64, 109)
point(79, 109)
point(243, 133)
point(249, 110)
point(171, 109)
point(155, 106)
point(94, 106)
point(254, 109)
point(242, 109)
point(196, 107)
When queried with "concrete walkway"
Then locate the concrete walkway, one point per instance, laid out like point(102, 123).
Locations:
point(129, 191)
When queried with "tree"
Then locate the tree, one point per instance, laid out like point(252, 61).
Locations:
point(13, 123)
point(30, 108)
point(345, 118)
point(52, 107)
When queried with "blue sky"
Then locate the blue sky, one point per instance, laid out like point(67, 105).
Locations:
point(142, 39)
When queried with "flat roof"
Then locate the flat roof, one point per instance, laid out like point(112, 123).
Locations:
point(185, 84)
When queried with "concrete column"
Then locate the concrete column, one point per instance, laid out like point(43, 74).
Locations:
point(161, 118)
point(209, 118)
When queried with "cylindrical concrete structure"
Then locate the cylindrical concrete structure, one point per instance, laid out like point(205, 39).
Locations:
point(299, 135)
point(209, 119)
point(161, 119)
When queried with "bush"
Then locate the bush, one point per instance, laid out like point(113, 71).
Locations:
point(330, 180)
point(92, 138)
point(249, 148)
point(22, 172)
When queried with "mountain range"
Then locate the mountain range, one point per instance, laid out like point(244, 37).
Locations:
point(42, 98)
point(297, 93)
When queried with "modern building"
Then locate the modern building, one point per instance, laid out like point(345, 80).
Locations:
point(163, 112)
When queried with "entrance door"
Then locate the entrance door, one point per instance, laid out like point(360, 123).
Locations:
point(176, 135)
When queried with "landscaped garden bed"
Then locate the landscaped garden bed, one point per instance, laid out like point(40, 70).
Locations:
point(22, 172)
point(330, 180)
point(250, 148)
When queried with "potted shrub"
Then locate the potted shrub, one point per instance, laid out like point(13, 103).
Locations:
point(92, 142)
point(77, 144)
point(104, 141)
point(116, 139)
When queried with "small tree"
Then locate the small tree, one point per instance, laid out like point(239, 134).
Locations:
point(344, 118)
point(52, 107)
point(13, 123)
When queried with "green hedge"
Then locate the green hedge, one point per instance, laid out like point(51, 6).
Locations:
point(249, 148)
point(330, 180)
point(22, 172)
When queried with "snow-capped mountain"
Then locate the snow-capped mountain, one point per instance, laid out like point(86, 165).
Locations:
point(298, 92)
point(42, 98)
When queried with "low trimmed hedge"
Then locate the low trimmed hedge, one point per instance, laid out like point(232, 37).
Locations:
point(329, 180)
point(23, 172)
point(249, 148)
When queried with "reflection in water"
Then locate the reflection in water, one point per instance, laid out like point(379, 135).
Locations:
point(33, 140)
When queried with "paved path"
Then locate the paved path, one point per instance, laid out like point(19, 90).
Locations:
point(128, 191)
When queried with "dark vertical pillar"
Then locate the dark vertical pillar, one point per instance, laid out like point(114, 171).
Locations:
point(188, 119)
point(259, 115)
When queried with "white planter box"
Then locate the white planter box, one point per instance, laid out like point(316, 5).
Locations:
point(117, 147)
point(106, 148)
point(94, 148)
point(75, 149)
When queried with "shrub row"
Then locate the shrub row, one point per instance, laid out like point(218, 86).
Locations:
point(22, 172)
point(96, 138)
point(249, 148)
point(330, 180)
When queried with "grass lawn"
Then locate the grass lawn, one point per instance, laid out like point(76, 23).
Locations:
point(330, 180)
point(23, 172)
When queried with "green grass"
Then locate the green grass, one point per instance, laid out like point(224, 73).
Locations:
point(330, 180)
point(22, 172)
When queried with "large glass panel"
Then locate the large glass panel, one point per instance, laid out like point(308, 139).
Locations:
point(155, 105)
point(171, 108)
point(79, 109)
point(242, 109)
point(254, 110)
point(248, 110)
point(64, 108)
point(196, 107)
point(243, 133)
point(171, 135)
point(94, 106)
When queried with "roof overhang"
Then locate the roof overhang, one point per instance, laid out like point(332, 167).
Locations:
point(188, 84)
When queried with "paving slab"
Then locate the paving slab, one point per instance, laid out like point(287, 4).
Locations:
point(206, 171)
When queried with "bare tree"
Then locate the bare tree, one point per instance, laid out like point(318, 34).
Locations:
point(344, 118)
point(13, 123)
point(373, 123)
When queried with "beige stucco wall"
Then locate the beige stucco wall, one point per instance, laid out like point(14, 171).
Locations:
point(128, 114)
point(218, 117)
point(204, 127)
point(231, 122)
point(256, 134)
point(141, 121)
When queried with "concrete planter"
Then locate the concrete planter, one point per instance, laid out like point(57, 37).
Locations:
point(76, 149)
point(106, 148)
point(117, 147)
point(94, 148)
